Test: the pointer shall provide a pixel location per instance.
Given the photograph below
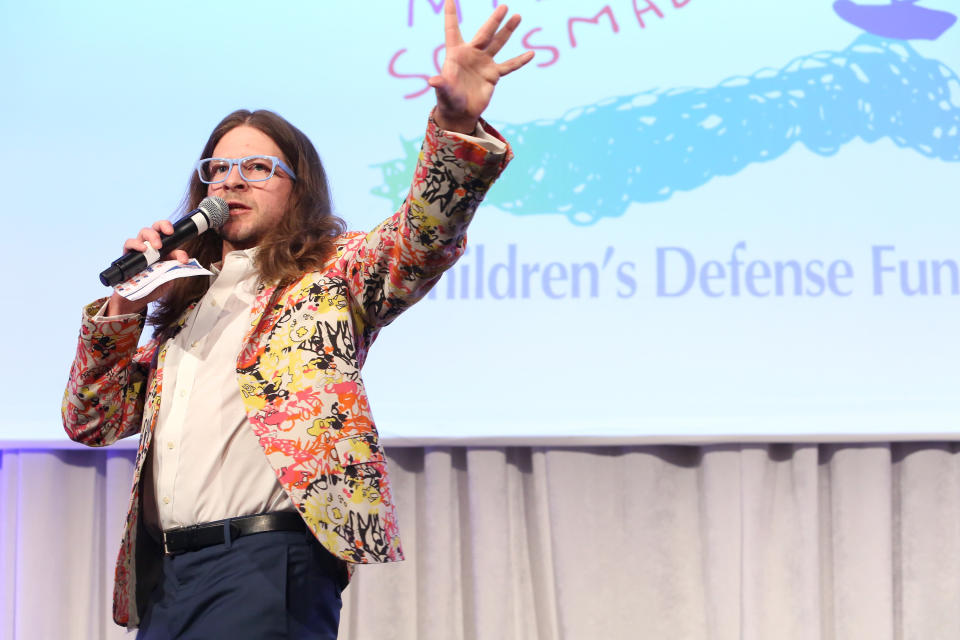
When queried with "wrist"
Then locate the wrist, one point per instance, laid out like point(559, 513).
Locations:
point(465, 125)
point(120, 306)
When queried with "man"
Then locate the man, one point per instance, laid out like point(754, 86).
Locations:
point(259, 477)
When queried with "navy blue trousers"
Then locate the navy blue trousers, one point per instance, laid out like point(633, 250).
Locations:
point(278, 584)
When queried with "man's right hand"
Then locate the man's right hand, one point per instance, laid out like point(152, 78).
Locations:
point(119, 305)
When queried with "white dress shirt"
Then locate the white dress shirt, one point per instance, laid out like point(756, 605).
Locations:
point(207, 464)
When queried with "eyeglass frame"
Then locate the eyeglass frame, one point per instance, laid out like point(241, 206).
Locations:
point(276, 162)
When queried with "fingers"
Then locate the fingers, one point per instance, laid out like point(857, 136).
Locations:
point(163, 225)
point(179, 255)
point(485, 34)
point(149, 235)
point(500, 39)
point(513, 64)
point(451, 26)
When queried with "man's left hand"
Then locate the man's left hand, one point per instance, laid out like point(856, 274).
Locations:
point(469, 74)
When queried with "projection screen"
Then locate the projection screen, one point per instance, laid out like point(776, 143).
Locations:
point(724, 221)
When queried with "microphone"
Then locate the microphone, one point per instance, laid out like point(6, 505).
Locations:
point(211, 214)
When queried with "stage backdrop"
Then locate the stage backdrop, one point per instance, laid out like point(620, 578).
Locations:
point(725, 219)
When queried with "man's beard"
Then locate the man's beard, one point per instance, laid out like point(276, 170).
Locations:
point(242, 238)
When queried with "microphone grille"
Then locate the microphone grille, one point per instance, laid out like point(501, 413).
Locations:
point(216, 209)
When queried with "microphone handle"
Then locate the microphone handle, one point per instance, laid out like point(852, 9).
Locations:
point(135, 261)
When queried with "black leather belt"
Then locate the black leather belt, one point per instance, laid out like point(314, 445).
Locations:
point(206, 535)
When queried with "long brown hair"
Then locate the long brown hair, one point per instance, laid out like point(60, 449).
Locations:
point(301, 242)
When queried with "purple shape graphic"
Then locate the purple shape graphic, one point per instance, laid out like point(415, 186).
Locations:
point(901, 19)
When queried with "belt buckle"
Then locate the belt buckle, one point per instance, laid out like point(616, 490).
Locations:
point(166, 542)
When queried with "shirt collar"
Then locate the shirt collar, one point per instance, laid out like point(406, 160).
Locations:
point(239, 276)
point(247, 254)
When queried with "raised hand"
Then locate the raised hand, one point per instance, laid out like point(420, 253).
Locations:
point(469, 74)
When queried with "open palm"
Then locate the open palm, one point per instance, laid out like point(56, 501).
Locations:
point(469, 74)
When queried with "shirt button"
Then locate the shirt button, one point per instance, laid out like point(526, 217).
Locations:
point(170, 445)
point(183, 393)
point(166, 500)
point(195, 344)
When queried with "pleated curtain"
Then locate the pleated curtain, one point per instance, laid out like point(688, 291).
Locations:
point(727, 542)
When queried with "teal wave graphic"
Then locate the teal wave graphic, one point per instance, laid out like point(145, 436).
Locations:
point(595, 161)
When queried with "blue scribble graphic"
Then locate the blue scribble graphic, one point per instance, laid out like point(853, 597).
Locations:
point(595, 161)
point(901, 19)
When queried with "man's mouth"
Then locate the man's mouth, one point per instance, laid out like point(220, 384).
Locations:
point(237, 208)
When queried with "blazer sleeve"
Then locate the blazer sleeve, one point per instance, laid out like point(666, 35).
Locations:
point(105, 393)
point(396, 264)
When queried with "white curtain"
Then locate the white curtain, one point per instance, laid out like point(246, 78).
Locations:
point(754, 542)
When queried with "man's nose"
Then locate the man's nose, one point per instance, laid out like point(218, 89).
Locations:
point(234, 179)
